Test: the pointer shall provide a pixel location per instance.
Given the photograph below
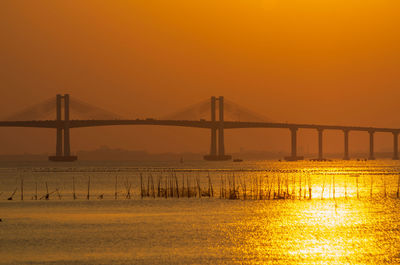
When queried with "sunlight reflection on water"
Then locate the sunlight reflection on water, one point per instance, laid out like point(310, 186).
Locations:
point(346, 230)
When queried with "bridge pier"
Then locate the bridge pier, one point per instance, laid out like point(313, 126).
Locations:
point(59, 128)
point(213, 151)
point(67, 149)
point(293, 156)
point(63, 125)
point(346, 145)
point(395, 146)
point(220, 156)
point(371, 145)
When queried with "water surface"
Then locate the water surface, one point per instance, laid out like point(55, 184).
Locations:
point(344, 224)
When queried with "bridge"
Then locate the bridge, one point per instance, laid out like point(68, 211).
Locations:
point(63, 125)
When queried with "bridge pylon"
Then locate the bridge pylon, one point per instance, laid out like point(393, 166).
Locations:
point(217, 155)
point(62, 126)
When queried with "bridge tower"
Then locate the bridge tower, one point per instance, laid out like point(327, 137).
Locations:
point(217, 155)
point(62, 126)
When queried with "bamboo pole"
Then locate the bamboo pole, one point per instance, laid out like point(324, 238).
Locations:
point(116, 188)
point(36, 191)
point(358, 195)
point(88, 190)
point(22, 188)
point(47, 192)
point(177, 186)
point(183, 185)
point(141, 185)
point(166, 187)
point(152, 187)
point(73, 188)
point(300, 187)
point(188, 186)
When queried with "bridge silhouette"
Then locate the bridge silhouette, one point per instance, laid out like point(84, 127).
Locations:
point(240, 117)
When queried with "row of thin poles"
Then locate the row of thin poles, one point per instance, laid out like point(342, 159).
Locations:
point(231, 187)
point(168, 187)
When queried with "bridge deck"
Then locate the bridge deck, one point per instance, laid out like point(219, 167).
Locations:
point(187, 123)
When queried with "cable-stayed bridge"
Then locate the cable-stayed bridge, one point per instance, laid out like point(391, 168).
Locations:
point(65, 113)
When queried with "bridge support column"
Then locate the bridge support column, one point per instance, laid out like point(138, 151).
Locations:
point(293, 156)
point(371, 145)
point(221, 143)
point(320, 155)
point(214, 156)
point(213, 151)
point(63, 125)
point(67, 150)
point(395, 146)
point(346, 145)
point(59, 128)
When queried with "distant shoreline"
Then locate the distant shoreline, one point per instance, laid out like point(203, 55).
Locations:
point(143, 156)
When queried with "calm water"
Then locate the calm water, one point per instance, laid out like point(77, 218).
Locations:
point(351, 218)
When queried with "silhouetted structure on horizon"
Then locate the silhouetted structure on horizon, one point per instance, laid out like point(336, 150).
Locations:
point(217, 128)
point(63, 126)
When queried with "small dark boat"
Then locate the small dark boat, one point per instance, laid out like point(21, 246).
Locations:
point(237, 160)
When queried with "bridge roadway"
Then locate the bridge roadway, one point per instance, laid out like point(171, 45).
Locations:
point(187, 123)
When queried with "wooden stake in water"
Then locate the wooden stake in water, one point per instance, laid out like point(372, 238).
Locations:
point(358, 195)
point(128, 186)
point(12, 195)
point(330, 187)
point(116, 188)
point(300, 187)
point(220, 188)
point(398, 186)
point(166, 186)
point(177, 186)
point(152, 187)
point(141, 186)
point(159, 186)
point(148, 186)
point(73, 188)
point(183, 186)
point(36, 194)
point(47, 192)
point(345, 187)
point(333, 186)
point(323, 188)
point(188, 186)
point(88, 189)
point(22, 189)
point(293, 186)
point(198, 186)
point(210, 187)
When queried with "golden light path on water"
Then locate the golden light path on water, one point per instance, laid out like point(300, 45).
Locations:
point(319, 232)
point(352, 216)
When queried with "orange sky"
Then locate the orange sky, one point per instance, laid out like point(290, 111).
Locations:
point(333, 62)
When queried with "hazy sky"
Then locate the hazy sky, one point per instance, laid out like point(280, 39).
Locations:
point(332, 62)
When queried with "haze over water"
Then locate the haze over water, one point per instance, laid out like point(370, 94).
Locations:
point(309, 62)
point(344, 230)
